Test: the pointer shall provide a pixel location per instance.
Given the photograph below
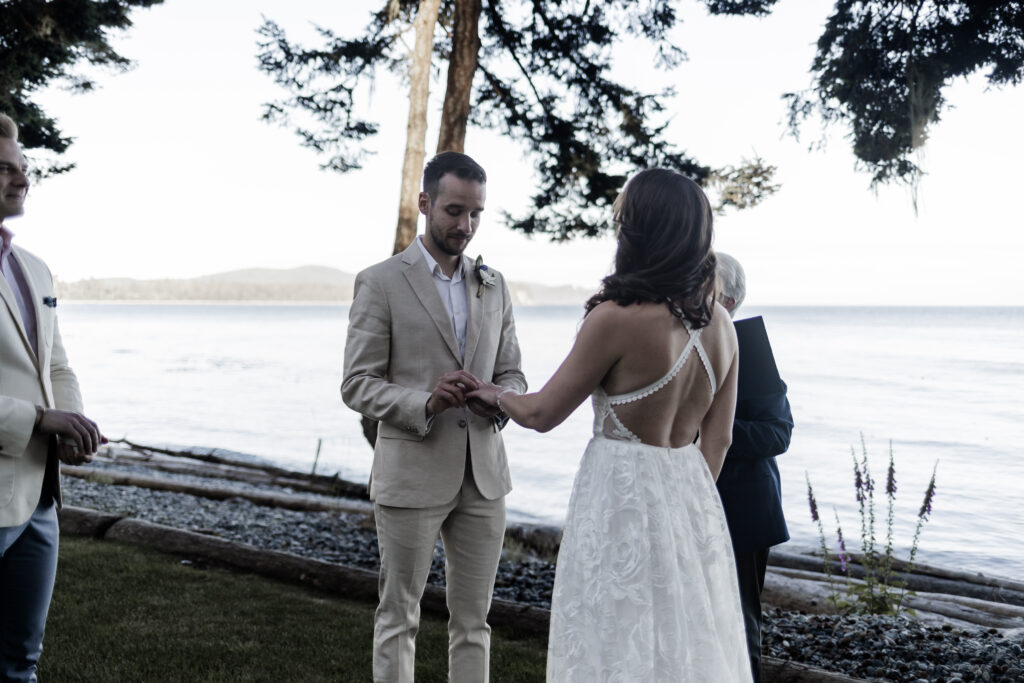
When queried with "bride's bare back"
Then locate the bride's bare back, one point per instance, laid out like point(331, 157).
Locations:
point(625, 348)
point(672, 415)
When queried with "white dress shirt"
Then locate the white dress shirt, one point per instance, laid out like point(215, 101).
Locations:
point(453, 294)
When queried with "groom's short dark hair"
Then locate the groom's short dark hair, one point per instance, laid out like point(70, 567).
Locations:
point(450, 162)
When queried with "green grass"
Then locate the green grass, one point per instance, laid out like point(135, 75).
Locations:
point(122, 613)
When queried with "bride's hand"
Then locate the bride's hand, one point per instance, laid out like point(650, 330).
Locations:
point(486, 393)
point(484, 399)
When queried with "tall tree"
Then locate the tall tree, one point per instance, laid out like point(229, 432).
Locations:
point(542, 71)
point(41, 41)
point(416, 129)
point(462, 63)
point(882, 65)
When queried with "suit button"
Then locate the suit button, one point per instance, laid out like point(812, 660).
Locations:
point(462, 423)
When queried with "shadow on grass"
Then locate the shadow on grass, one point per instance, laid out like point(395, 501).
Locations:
point(122, 613)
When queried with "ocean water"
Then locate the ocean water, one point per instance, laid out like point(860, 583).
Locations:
point(942, 385)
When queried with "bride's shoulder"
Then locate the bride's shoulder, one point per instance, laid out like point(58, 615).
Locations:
point(720, 331)
point(612, 313)
point(605, 316)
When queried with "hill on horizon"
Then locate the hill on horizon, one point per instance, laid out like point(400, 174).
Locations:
point(303, 283)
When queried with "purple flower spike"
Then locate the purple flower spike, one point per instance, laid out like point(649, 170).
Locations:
point(842, 546)
point(858, 482)
point(926, 506)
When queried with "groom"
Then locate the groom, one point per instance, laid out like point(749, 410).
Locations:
point(423, 326)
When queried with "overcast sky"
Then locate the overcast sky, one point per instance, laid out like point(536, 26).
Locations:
point(178, 177)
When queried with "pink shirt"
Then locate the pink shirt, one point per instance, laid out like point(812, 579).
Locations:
point(16, 279)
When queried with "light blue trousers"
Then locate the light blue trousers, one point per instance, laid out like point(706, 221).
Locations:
point(28, 565)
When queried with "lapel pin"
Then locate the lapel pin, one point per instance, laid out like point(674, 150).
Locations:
point(50, 301)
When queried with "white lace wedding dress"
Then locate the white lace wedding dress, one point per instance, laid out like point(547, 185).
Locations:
point(645, 587)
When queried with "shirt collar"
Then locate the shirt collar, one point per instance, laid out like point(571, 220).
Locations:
point(435, 268)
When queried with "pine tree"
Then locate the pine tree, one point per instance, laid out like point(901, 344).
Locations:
point(536, 71)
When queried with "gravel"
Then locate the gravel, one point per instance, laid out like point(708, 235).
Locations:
point(870, 647)
point(892, 648)
point(340, 537)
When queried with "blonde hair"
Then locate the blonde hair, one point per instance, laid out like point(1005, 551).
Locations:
point(8, 128)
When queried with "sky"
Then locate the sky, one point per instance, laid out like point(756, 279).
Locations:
point(178, 177)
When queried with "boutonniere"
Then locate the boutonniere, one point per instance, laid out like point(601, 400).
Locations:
point(50, 301)
point(484, 274)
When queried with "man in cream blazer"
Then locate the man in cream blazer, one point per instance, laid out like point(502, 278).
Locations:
point(423, 326)
point(40, 420)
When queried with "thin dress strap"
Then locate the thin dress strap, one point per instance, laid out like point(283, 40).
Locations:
point(707, 366)
point(657, 385)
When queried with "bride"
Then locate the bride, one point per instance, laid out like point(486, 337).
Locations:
point(645, 587)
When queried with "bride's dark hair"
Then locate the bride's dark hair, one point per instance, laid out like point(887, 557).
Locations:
point(664, 255)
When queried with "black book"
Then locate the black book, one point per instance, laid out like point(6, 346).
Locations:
point(758, 374)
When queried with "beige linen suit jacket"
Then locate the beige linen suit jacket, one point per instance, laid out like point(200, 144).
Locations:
point(400, 342)
point(25, 382)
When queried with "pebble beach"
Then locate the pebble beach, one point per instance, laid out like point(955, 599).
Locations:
point(862, 647)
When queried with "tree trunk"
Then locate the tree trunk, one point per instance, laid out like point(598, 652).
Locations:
point(416, 130)
point(461, 69)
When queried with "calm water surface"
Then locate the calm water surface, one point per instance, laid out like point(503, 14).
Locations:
point(943, 384)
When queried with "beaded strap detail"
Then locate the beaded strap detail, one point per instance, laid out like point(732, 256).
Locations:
point(607, 410)
point(644, 392)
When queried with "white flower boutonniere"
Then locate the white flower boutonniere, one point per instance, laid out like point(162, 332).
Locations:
point(484, 274)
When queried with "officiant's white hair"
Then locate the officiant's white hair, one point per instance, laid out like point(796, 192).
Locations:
point(8, 128)
point(734, 280)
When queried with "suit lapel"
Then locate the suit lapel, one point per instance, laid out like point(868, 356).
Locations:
point(422, 283)
point(474, 323)
point(7, 294)
point(35, 298)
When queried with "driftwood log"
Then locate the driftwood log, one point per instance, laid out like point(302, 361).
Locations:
point(809, 591)
point(288, 501)
point(317, 483)
point(338, 579)
point(923, 579)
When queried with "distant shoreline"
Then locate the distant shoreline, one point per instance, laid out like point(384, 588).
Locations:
point(261, 302)
point(306, 285)
point(347, 302)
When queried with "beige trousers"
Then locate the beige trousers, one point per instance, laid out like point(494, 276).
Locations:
point(472, 529)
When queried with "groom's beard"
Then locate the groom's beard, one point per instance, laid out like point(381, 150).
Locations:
point(453, 243)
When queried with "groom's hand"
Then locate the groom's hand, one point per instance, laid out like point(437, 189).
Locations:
point(450, 391)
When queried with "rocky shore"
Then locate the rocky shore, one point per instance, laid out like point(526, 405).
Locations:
point(861, 647)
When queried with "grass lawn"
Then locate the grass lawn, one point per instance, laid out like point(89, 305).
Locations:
point(123, 613)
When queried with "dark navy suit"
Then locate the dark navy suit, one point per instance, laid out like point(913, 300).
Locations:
point(752, 497)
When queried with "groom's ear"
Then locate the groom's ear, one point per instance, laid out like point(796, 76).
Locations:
point(424, 203)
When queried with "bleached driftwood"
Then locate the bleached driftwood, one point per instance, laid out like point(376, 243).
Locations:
point(267, 498)
point(319, 483)
point(923, 579)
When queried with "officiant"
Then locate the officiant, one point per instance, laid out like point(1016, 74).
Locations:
point(749, 484)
